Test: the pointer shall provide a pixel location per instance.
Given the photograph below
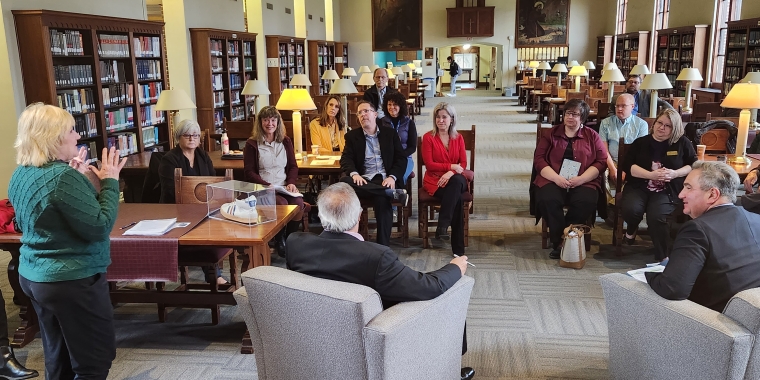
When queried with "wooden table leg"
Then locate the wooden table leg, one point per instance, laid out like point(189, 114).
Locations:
point(247, 347)
point(29, 325)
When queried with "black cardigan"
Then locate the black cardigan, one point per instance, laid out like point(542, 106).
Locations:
point(676, 156)
point(176, 159)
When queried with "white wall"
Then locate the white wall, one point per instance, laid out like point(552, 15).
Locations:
point(704, 16)
point(276, 21)
point(315, 29)
point(750, 9)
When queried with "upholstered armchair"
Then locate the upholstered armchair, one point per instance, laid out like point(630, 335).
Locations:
point(654, 338)
point(307, 328)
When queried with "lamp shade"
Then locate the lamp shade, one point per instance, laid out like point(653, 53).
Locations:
point(612, 75)
point(589, 65)
point(255, 87)
point(751, 77)
point(610, 66)
point(578, 70)
point(559, 68)
point(689, 73)
point(406, 68)
point(656, 81)
point(375, 67)
point(533, 64)
point(349, 72)
point(171, 100)
point(300, 80)
point(397, 71)
point(544, 66)
point(639, 70)
point(330, 74)
point(366, 80)
point(295, 99)
point(390, 73)
point(742, 96)
point(572, 64)
point(417, 62)
point(364, 69)
point(343, 86)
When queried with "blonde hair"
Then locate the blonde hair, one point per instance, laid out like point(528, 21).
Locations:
point(186, 126)
point(443, 106)
point(675, 121)
point(41, 130)
point(258, 131)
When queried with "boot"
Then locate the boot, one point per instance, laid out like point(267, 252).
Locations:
point(12, 369)
point(282, 236)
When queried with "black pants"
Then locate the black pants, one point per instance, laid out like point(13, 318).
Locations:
point(451, 211)
point(3, 323)
point(375, 190)
point(76, 324)
point(580, 201)
point(657, 206)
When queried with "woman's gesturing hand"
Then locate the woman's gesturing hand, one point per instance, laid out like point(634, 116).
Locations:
point(78, 162)
point(110, 165)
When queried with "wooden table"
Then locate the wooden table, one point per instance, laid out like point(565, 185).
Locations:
point(741, 170)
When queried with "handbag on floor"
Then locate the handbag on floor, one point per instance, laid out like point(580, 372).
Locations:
point(573, 251)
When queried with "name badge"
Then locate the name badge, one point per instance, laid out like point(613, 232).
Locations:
point(672, 153)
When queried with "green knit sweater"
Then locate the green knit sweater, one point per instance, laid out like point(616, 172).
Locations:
point(64, 222)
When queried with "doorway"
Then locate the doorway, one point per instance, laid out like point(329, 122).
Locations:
point(480, 62)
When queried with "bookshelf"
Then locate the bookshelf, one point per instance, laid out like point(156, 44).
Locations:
point(680, 48)
point(222, 61)
point(742, 51)
point(289, 53)
point(106, 71)
point(603, 54)
point(321, 58)
point(630, 50)
point(341, 50)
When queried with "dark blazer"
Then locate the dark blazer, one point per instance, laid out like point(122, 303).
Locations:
point(714, 257)
point(251, 162)
point(391, 151)
point(372, 96)
point(645, 98)
point(176, 159)
point(341, 257)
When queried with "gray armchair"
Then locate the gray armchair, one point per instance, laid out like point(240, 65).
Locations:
point(304, 327)
point(654, 338)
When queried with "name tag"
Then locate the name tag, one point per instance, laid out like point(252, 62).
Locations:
point(672, 153)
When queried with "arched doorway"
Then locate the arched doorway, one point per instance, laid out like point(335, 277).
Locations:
point(481, 65)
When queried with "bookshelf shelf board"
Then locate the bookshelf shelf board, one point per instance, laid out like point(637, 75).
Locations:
point(77, 87)
point(110, 108)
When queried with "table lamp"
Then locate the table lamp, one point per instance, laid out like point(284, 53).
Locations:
point(744, 96)
point(559, 68)
point(330, 75)
point(589, 67)
point(396, 72)
point(300, 80)
point(364, 69)
point(173, 101)
point(610, 66)
point(344, 87)
point(578, 71)
point(255, 88)
point(543, 66)
point(406, 69)
point(366, 80)
point(610, 76)
point(375, 67)
point(654, 82)
point(297, 100)
point(572, 64)
point(534, 65)
point(689, 74)
point(417, 66)
point(752, 77)
point(413, 67)
point(640, 70)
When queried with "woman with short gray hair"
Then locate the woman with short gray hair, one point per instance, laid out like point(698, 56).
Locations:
point(187, 154)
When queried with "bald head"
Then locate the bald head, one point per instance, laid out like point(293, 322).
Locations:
point(624, 105)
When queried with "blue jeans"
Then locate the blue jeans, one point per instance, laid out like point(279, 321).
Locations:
point(454, 84)
point(409, 168)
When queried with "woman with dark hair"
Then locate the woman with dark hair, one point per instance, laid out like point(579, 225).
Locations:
point(574, 145)
point(397, 117)
point(329, 129)
point(269, 159)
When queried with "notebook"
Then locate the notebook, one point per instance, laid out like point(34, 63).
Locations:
point(569, 169)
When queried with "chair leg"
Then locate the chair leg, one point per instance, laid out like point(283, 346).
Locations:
point(183, 276)
point(544, 234)
point(466, 224)
point(424, 227)
point(215, 315)
point(617, 232)
point(364, 225)
point(233, 270)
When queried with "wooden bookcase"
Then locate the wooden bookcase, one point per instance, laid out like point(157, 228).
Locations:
point(341, 50)
point(106, 71)
point(742, 51)
point(680, 48)
point(630, 50)
point(223, 60)
point(289, 51)
point(603, 54)
point(321, 58)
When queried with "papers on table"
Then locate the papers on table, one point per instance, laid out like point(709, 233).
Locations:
point(323, 162)
point(283, 190)
point(155, 227)
point(569, 169)
point(639, 273)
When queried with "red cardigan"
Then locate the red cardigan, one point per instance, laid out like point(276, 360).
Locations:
point(438, 159)
point(251, 163)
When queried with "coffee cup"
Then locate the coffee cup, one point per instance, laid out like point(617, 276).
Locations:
point(701, 151)
point(315, 149)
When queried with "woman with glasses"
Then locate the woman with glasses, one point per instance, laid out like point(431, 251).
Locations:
point(568, 161)
point(329, 129)
point(655, 166)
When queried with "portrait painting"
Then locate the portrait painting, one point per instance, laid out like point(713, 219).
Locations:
point(396, 25)
point(542, 23)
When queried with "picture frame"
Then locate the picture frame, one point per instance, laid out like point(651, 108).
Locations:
point(542, 23)
point(396, 25)
point(429, 53)
point(406, 55)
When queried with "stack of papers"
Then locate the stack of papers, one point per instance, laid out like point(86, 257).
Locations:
point(155, 227)
point(639, 273)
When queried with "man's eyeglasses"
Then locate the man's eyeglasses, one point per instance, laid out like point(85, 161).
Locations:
point(362, 112)
point(190, 137)
point(623, 105)
point(573, 114)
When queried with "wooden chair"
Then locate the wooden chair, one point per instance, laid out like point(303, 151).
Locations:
point(427, 204)
point(192, 190)
point(582, 95)
point(401, 223)
point(603, 109)
point(238, 131)
point(650, 122)
point(700, 111)
point(598, 93)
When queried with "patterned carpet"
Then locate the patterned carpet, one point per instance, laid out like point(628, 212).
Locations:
point(528, 318)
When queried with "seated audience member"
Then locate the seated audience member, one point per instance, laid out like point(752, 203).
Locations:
point(341, 254)
point(717, 253)
point(575, 142)
point(750, 200)
point(656, 165)
point(445, 159)
point(642, 98)
point(269, 159)
point(329, 129)
point(374, 161)
point(397, 117)
point(622, 124)
point(376, 94)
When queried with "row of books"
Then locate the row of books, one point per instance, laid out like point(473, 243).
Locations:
point(149, 115)
point(235, 81)
point(217, 82)
point(233, 48)
point(112, 72)
point(150, 136)
point(72, 75)
point(148, 70)
point(216, 64)
point(118, 94)
point(324, 50)
point(126, 143)
point(735, 57)
point(249, 64)
point(149, 92)
point(76, 101)
point(248, 48)
point(290, 49)
point(753, 55)
point(67, 42)
point(86, 125)
point(234, 97)
point(737, 40)
point(92, 151)
point(733, 74)
point(234, 65)
point(120, 119)
point(754, 37)
point(147, 47)
point(219, 99)
point(238, 113)
point(218, 118)
point(113, 45)
point(217, 47)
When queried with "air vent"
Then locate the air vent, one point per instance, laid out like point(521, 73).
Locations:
point(321, 19)
point(288, 11)
point(270, 6)
point(310, 17)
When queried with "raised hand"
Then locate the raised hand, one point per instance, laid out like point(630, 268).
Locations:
point(110, 165)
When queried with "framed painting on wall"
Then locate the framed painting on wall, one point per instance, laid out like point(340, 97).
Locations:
point(542, 23)
point(396, 25)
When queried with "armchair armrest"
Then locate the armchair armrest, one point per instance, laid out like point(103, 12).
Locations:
point(654, 338)
point(744, 308)
point(419, 340)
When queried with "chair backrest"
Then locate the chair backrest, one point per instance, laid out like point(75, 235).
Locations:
point(700, 111)
point(598, 93)
point(618, 88)
point(562, 93)
point(404, 90)
point(547, 87)
point(305, 120)
point(603, 109)
point(676, 101)
point(594, 104)
point(319, 101)
point(577, 95)
point(715, 140)
point(622, 151)
point(238, 131)
point(192, 189)
point(650, 122)
point(151, 192)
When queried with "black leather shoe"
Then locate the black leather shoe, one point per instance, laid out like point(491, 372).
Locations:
point(555, 253)
point(628, 241)
point(442, 234)
point(468, 373)
point(12, 369)
point(279, 244)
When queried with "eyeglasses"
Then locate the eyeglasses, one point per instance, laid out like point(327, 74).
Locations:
point(572, 114)
point(190, 137)
point(623, 105)
point(362, 112)
point(634, 82)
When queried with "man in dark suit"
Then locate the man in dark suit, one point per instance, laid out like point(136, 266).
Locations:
point(716, 254)
point(376, 93)
point(341, 254)
point(375, 163)
point(642, 98)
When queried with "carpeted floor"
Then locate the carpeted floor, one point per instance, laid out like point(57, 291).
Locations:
point(528, 318)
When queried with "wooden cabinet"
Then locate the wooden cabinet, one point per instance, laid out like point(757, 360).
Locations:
point(742, 51)
point(341, 56)
point(678, 49)
point(603, 54)
point(469, 22)
point(107, 72)
point(321, 58)
point(631, 49)
point(289, 52)
point(223, 60)
point(706, 95)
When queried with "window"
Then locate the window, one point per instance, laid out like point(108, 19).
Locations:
point(465, 61)
point(728, 10)
point(663, 10)
point(621, 14)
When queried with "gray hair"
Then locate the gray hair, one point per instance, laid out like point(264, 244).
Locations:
point(718, 175)
point(186, 126)
point(339, 207)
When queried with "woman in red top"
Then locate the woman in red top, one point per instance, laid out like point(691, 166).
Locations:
point(445, 159)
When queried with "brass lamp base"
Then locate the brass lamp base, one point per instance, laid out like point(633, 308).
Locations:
point(739, 160)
